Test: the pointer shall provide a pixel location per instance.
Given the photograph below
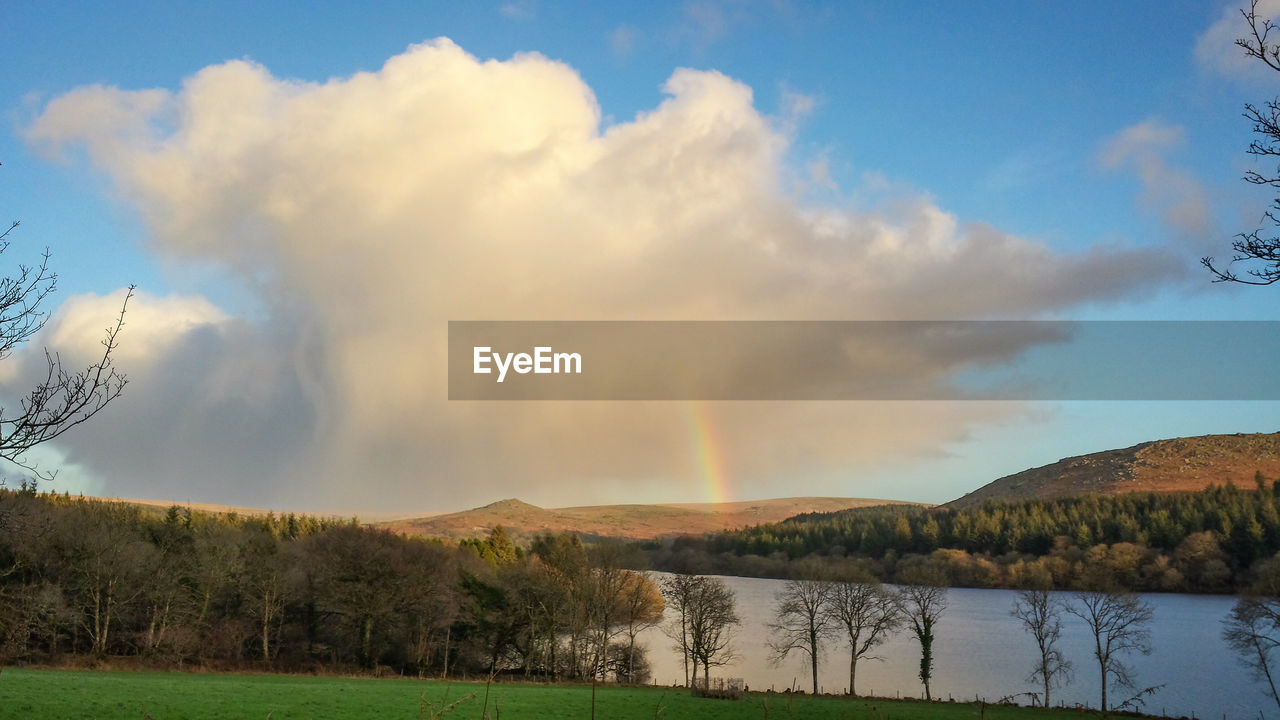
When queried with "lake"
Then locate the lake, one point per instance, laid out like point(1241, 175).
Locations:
point(980, 650)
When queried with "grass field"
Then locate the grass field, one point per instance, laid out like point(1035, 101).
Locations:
point(110, 695)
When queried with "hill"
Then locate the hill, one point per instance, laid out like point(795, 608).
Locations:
point(632, 522)
point(1179, 464)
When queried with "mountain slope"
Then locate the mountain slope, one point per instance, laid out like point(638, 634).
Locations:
point(635, 522)
point(1190, 463)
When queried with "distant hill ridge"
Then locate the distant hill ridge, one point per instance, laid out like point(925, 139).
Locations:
point(523, 520)
point(632, 522)
point(1178, 464)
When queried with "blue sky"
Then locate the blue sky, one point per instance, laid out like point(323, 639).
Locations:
point(998, 111)
point(1090, 152)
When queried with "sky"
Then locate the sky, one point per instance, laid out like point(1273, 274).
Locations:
point(305, 194)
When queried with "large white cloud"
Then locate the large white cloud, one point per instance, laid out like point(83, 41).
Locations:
point(367, 211)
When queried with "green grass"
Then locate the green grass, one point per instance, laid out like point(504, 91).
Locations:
point(110, 695)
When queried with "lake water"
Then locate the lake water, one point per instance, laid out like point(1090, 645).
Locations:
point(981, 650)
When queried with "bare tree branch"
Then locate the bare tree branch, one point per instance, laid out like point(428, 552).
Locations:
point(1253, 631)
point(1259, 249)
point(62, 398)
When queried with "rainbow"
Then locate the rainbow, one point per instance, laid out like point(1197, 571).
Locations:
point(708, 453)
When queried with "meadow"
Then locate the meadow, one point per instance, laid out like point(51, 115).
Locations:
point(116, 695)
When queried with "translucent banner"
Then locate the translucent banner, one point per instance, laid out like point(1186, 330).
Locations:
point(864, 360)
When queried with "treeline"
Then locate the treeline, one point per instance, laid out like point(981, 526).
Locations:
point(1207, 541)
point(90, 579)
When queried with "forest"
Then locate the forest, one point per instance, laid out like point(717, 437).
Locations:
point(1209, 542)
point(84, 580)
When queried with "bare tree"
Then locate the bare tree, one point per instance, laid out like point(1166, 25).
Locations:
point(678, 591)
point(868, 615)
point(1041, 615)
point(1260, 247)
point(922, 605)
point(1252, 629)
point(1118, 622)
point(801, 622)
point(62, 398)
point(711, 618)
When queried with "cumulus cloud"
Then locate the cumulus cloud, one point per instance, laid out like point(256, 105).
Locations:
point(364, 212)
point(154, 324)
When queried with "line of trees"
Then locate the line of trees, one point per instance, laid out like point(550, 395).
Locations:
point(816, 608)
point(1207, 541)
point(171, 588)
point(174, 588)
